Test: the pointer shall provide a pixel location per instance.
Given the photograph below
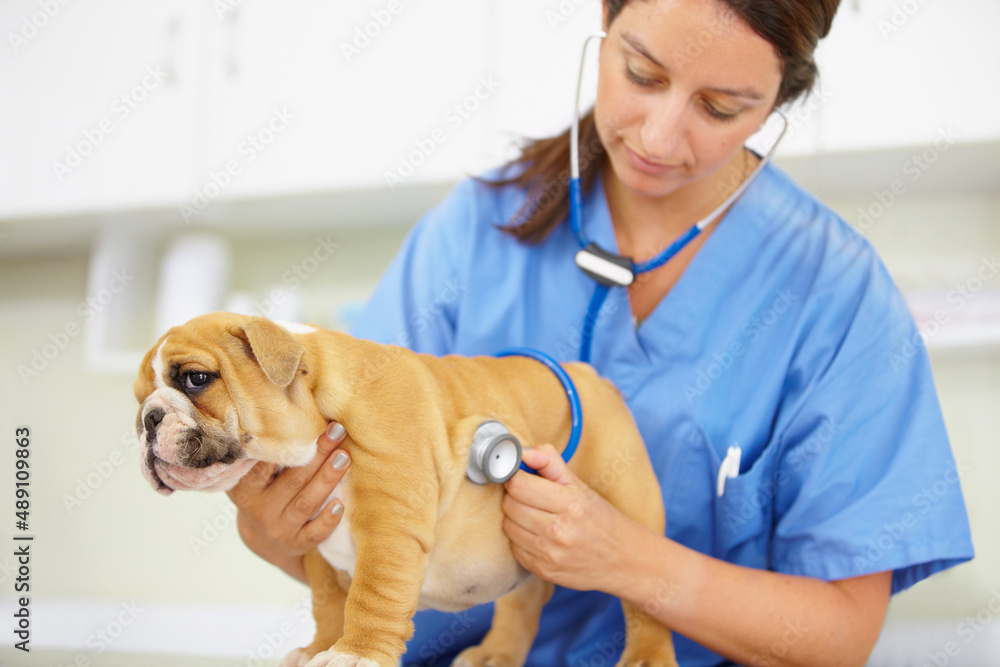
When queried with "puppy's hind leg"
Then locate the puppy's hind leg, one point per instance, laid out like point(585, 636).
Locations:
point(328, 598)
point(515, 624)
point(647, 644)
point(637, 494)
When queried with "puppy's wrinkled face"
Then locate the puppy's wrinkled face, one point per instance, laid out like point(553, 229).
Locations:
point(219, 394)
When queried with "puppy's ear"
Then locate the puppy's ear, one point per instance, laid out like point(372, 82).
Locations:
point(276, 350)
point(145, 383)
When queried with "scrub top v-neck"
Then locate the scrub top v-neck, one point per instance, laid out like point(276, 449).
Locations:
point(617, 340)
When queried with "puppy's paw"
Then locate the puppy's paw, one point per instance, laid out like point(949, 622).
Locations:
point(483, 656)
point(297, 658)
point(653, 662)
point(333, 658)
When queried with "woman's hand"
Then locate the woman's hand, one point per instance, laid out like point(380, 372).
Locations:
point(275, 512)
point(562, 530)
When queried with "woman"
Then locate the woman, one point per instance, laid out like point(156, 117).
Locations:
point(776, 330)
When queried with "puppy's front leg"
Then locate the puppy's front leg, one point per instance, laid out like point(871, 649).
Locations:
point(392, 542)
point(328, 597)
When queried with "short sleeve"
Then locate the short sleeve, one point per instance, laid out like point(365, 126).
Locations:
point(415, 302)
point(866, 480)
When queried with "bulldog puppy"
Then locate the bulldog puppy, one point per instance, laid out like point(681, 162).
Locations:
point(224, 391)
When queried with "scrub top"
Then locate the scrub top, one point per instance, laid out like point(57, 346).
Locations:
point(785, 336)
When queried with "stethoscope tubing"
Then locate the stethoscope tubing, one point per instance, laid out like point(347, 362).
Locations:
point(575, 409)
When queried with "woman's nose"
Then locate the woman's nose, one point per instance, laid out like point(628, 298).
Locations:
point(664, 129)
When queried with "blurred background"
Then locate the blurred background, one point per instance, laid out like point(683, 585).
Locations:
point(162, 159)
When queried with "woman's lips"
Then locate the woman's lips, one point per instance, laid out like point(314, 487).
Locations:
point(647, 167)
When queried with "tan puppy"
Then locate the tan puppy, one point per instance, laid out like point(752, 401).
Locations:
point(224, 391)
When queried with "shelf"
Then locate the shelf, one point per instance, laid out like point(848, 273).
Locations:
point(304, 212)
point(963, 168)
point(928, 170)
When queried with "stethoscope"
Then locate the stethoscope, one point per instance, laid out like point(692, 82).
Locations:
point(611, 270)
point(496, 453)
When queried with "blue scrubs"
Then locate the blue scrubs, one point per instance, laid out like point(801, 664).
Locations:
point(785, 335)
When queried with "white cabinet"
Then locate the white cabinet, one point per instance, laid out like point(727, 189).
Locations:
point(100, 110)
point(180, 105)
point(898, 72)
point(307, 95)
point(235, 99)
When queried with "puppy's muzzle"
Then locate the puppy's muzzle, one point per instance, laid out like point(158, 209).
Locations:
point(179, 455)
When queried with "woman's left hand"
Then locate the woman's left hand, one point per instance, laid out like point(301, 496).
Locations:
point(564, 532)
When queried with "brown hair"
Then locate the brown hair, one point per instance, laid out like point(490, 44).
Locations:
point(793, 27)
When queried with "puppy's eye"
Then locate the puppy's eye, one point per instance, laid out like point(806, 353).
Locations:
point(196, 379)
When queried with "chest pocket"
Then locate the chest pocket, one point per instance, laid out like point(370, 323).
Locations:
point(736, 527)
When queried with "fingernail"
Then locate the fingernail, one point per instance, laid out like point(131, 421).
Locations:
point(336, 431)
point(337, 509)
point(340, 461)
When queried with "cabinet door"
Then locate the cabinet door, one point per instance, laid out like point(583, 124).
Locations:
point(100, 108)
point(308, 95)
point(906, 72)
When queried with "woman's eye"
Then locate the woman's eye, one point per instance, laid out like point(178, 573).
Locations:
point(196, 379)
point(720, 115)
point(638, 80)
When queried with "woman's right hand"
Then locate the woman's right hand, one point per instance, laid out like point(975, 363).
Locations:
point(275, 511)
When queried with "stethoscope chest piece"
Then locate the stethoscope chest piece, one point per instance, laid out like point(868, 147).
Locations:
point(606, 268)
point(495, 454)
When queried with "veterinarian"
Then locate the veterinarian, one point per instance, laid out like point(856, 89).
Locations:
point(771, 365)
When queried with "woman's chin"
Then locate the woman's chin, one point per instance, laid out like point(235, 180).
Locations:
point(645, 184)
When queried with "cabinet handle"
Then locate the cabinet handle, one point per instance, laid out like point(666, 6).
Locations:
point(231, 66)
point(170, 59)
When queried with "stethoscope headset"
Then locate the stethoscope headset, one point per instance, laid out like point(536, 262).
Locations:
point(609, 269)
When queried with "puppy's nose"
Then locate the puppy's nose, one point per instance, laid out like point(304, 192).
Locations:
point(153, 419)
